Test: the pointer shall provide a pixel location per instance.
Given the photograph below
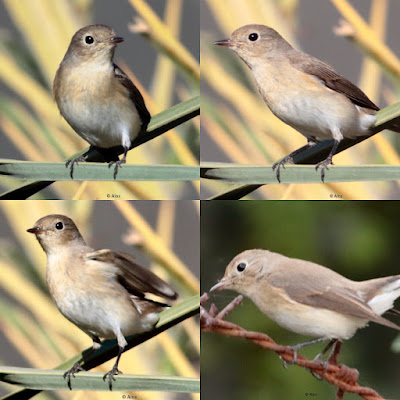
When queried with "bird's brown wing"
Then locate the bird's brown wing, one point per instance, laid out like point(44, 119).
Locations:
point(136, 279)
point(321, 293)
point(334, 81)
point(134, 95)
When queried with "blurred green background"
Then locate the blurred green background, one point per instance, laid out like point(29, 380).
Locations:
point(357, 239)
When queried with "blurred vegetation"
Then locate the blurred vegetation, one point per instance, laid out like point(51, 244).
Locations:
point(42, 338)
point(357, 239)
point(32, 122)
point(239, 125)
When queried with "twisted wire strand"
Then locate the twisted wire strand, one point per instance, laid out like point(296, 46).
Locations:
point(340, 376)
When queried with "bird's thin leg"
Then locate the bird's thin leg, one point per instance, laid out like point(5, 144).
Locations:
point(119, 163)
point(289, 158)
point(326, 348)
point(77, 366)
point(114, 370)
point(299, 346)
point(71, 163)
point(328, 160)
point(332, 359)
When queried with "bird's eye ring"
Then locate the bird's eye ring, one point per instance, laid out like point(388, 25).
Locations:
point(241, 266)
point(89, 39)
point(253, 37)
point(59, 226)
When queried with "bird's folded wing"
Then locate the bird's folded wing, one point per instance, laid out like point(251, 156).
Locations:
point(334, 81)
point(136, 279)
point(134, 95)
point(321, 294)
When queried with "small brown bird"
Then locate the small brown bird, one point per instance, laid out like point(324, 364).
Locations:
point(95, 96)
point(302, 91)
point(102, 291)
point(308, 298)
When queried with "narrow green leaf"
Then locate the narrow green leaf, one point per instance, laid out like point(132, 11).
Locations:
point(97, 172)
point(54, 380)
point(159, 124)
point(180, 310)
point(300, 174)
point(109, 348)
point(385, 118)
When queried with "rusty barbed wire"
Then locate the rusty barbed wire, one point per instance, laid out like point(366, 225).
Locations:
point(341, 376)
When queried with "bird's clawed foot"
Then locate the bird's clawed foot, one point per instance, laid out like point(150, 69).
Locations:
point(333, 357)
point(110, 375)
point(75, 369)
point(325, 364)
point(118, 164)
point(70, 164)
point(287, 160)
point(324, 166)
point(294, 359)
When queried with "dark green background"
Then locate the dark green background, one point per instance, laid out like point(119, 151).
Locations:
point(357, 239)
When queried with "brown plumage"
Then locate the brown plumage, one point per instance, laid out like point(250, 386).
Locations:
point(103, 292)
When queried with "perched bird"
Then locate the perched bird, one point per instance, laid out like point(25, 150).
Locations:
point(302, 91)
point(96, 97)
point(102, 291)
point(308, 298)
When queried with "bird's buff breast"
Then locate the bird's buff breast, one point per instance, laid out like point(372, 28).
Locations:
point(308, 106)
point(86, 304)
point(100, 113)
point(303, 319)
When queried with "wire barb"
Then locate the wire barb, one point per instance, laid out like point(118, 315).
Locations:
point(341, 376)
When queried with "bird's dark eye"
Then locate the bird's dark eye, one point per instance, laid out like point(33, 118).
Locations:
point(59, 226)
point(253, 37)
point(241, 266)
point(89, 39)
